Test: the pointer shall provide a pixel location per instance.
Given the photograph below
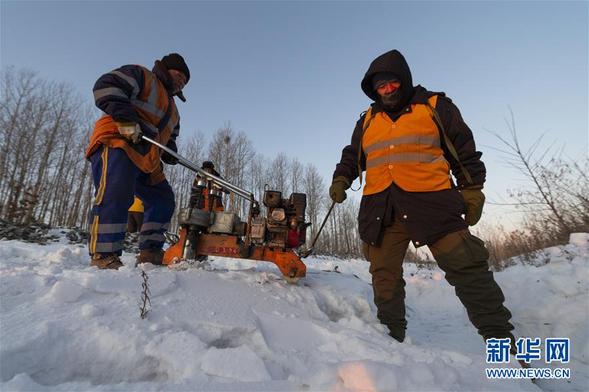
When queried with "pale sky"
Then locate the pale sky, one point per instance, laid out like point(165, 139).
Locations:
point(288, 73)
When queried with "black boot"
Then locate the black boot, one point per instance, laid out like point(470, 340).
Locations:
point(397, 332)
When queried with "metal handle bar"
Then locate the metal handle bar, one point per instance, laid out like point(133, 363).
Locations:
point(189, 165)
point(307, 252)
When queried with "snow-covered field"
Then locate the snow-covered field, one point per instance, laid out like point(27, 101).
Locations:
point(237, 326)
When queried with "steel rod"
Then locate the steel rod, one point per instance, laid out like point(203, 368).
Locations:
point(190, 165)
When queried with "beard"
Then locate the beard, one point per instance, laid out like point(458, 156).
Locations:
point(392, 100)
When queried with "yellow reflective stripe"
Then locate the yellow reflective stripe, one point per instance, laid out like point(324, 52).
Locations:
point(94, 235)
point(102, 185)
point(425, 140)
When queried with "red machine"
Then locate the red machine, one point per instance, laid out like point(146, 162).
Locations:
point(206, 229)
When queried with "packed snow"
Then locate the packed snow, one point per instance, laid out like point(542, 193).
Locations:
point(235, 325)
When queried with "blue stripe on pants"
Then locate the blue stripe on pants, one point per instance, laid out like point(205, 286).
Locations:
point(117, 180)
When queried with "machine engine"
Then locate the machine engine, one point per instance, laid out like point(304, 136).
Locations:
point(206, 229)
point(284, 225)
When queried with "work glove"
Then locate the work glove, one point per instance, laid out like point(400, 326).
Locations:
point(474, 199)
point(168, 158)
point(130, 131)
point(337, 190)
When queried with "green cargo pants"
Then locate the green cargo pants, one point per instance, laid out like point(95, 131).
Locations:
point(462, 256)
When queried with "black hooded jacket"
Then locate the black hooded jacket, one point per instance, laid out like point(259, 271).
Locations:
point(428, 216)
point(390, 62)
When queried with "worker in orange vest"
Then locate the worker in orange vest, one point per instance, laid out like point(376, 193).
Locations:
point(408, 142)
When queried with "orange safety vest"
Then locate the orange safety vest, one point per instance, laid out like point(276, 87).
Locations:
point(406, 151)
point(152, 105)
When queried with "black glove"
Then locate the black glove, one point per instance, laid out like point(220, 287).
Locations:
point(337, 190)
point(168, 158)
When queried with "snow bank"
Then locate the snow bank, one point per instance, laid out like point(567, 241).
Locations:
point(237, 326)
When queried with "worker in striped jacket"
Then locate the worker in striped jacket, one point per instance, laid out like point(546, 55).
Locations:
point(135, 102)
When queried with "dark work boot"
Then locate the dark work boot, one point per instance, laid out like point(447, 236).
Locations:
point(153, 256)
point(397, 332)
point(106, 261)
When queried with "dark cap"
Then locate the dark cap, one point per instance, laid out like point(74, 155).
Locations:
point(380, 77)
point(175, 61)
point(208, 165)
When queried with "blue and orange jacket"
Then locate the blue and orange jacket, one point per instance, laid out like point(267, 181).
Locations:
point(132, 93)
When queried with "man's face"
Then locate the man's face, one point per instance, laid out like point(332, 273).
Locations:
point(388, 87)
point(178, 80)
point(389, 92)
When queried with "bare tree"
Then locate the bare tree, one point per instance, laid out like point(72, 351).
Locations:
point(258, 175)
point(557, 186)
point(297, 173)
point(553, 199)
point(280, 173)
point(315, 189)
point(232, 154)
point(43, 127)
point(243, 154)
point(18, 89)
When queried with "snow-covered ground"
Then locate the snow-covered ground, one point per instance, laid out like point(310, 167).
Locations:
point(237, 326)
